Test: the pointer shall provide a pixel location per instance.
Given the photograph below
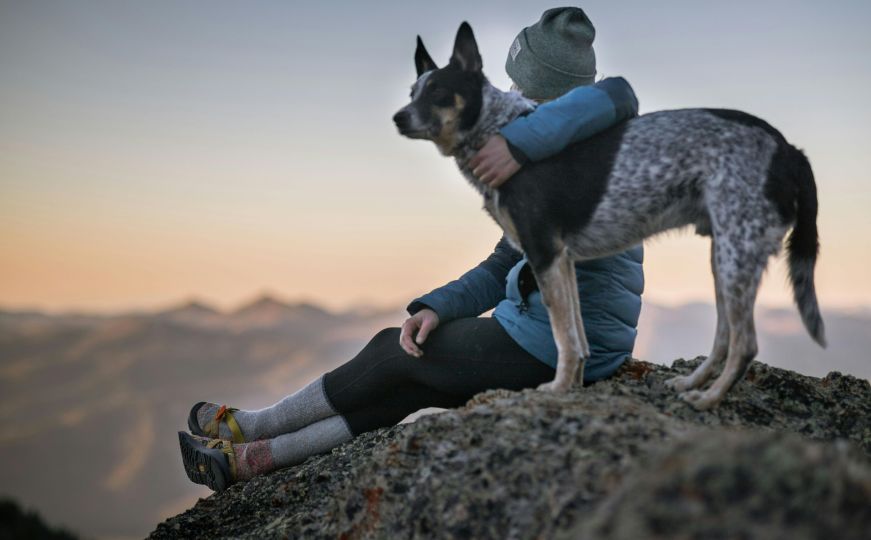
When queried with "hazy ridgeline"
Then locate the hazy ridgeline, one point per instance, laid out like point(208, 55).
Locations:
point(91, 403)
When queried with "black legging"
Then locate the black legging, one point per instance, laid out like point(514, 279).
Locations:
point(383, 384)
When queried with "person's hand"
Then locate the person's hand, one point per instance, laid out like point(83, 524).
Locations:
point(415, 329)
point(494, 164)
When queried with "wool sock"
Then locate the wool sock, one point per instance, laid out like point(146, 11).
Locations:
point(303, 407)
point(261, 457)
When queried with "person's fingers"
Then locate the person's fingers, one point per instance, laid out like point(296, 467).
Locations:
point(475, 161)
point(491, 176)
point(403, 329)
point(409, 346)
point(488, 171)
point(402, 343)
point(405, 338)
point(425, 328)
point(503, 173)
point(499, 178)
point(493, 165)
point(483, 169)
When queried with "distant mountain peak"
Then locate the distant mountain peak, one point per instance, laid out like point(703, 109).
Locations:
point(264, 302)
point(266, 310)
point(194, 306)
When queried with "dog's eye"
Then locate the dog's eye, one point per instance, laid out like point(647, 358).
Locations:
point(441, 97)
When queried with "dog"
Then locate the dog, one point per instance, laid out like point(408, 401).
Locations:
point(731, 175)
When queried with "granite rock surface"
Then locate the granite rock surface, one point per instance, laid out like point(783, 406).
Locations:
point(784, 456)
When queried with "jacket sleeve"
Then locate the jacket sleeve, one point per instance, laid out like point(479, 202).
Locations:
point(476, 291)
point(579, 114)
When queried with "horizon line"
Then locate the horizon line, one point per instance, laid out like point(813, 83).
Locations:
point(362, 306)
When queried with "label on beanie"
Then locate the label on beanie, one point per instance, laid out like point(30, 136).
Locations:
point(515, 49)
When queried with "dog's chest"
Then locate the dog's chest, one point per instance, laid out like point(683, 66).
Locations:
point(492, 202)
point(501, 216)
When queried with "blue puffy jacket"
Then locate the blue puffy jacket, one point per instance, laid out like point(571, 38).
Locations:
point(609, 288)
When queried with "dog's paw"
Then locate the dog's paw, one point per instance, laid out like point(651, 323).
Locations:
point(680, 383)
point(554, 387)
point(700, 401)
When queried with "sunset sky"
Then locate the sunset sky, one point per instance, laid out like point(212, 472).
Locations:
point(156, 151)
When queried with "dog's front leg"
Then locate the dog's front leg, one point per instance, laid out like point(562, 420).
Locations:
point(572, 284)
point(559, 293)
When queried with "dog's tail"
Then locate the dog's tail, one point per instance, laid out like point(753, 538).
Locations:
point(803, 246)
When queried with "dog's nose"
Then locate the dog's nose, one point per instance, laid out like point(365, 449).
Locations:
point(401, 119)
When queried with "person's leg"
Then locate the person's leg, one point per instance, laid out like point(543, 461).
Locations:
point(382, 385)
point(260, 457)
point(396, 405)
point(461, 358)
point(219, 463)
point(293, 448)
point(305, 406)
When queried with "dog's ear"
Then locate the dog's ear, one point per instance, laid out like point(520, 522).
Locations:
point(466, 54)
point(422, 60)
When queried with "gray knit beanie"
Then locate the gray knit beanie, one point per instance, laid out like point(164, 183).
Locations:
point(553, 55)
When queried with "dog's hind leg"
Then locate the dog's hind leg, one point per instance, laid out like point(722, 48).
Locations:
point(740, 261)
point(703, 372)
point(559, 291)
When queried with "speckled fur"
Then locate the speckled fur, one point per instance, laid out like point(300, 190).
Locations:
point(678, 168)
point(730, 175)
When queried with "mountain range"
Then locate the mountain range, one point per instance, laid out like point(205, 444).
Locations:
point(91, 403)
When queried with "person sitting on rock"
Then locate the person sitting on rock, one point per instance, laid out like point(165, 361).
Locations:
point(444, 353)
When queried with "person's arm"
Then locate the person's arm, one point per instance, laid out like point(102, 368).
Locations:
point(577, 115)
point(476, 291)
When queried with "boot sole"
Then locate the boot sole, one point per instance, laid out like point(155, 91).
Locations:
point(203, 465)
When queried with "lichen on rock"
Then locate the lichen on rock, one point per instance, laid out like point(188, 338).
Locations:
point(740, 484)
point(618, 458)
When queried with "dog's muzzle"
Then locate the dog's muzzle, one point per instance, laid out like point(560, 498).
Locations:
point(402, 119)
point(405, 123)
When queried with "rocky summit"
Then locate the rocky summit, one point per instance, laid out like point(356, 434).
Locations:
point(784, 456)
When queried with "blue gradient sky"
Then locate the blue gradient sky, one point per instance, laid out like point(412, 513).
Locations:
point(151, 151)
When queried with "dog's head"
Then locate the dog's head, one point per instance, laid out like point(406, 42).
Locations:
point(445, 102)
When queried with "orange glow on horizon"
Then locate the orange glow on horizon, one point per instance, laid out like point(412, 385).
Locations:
point(153, 159)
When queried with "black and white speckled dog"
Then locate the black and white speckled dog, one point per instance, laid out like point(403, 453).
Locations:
point(730, 174)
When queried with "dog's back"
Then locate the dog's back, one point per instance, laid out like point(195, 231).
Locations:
point(642, 177)
point(708, 168)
